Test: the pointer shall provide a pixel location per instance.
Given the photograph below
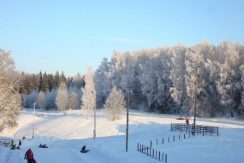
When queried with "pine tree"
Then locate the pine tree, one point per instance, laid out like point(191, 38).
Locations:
point(45, 86)
point(56, 81)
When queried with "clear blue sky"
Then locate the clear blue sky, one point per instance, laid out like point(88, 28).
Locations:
point(70, 35)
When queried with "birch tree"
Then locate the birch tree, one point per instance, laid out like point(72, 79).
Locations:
point(41, 100)
point(73, 101)
point(177, 76)
point(89, 94)
point(115, 103)
point(62, 97)
point(9, 102)
point(229, 85)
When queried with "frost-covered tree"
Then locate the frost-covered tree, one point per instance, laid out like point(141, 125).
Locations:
point(73, 101)
point(241, 110)
point(155, 82)
point(6, 62)
point(102, 80)
point(89, 93)
point(177, 76)
point(148, 81)
point(9, 101)
point(62, 97)
point(194, 83)
point(115, 103)
point(51, 99)
point(9, 105)
point(30, 99)
point(41, 100)
point(229, 85)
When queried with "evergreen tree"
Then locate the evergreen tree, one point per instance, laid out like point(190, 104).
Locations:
point(45, 86)
point(56, 80)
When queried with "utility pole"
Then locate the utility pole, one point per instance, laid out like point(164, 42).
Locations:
point(34, 114)
point(195, 100)
point(127, 119)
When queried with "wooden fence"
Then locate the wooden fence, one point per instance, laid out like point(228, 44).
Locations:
point(197, 129)
point(154, 153)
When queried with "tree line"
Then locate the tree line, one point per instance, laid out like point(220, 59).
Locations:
point(174, 79)
point(43, 89)
point(177, 79)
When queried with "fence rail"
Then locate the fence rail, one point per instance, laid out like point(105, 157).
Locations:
point(154, 153)
point(198, 129)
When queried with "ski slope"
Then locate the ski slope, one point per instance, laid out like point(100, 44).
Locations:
point(66, 134)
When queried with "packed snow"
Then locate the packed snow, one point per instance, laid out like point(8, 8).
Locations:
point(65, 134)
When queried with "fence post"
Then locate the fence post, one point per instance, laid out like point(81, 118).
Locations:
point(217, 131)
point(150, 151)
point(184, 136)
point(156, 141)
point(162, 157)
point(159, 156)
point(153, 152)
point(156, 153)
point(147, 149)
point(151, 143)
point(179, 136)
point(171, 127)
point(137, 146)
point(166, 158)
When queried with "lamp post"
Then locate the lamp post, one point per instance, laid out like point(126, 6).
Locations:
point(34, 114)
point(127, 119)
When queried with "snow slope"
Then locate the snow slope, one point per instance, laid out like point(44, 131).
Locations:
point(66, 134)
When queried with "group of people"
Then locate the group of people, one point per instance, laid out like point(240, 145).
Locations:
point(29, 156)
point(13, 144)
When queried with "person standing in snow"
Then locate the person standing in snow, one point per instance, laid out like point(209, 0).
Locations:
point(29, 156)
point(13, 144)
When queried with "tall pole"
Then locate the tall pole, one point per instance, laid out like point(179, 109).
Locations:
point(94, 130)
point(34, 114)
point(195, 105)
point(127, 119)
point(195, 101)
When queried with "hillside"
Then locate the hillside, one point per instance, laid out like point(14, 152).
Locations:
point(66, 134)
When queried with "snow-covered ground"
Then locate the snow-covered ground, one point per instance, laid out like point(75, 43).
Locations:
point(66, 134)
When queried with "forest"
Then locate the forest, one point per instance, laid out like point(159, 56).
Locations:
point(163, 80)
